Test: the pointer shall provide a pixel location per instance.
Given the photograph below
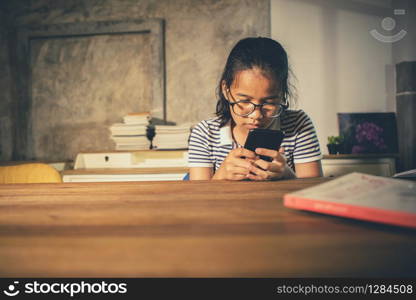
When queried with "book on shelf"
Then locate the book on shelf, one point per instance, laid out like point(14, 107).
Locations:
point(409, 174)
point(135, 146)
point(129, 139)
point(142, 118)
point(122, 129)
point(133, 142)
point(132, 133)
point(360, 196)
point(173, 128)
point(171, 137)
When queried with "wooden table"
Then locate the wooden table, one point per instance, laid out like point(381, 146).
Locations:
point(188, 229)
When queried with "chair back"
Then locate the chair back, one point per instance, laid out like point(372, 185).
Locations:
point(29, 173)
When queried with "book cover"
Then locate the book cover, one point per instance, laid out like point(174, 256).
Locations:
point(128, 130)
point(130, 139)
point(409, 174)
point(360, 196)
point(132, 147)
point(137, 118)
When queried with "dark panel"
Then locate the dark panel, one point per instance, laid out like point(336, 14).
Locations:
point(406, 76)
point(406, 124)
point(406, 114)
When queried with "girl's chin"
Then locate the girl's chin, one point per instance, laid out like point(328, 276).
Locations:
point(251, 126)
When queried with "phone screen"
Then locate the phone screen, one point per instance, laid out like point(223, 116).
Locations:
point(264, 138)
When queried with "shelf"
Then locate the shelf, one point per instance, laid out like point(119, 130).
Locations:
point(353, 156)
point(342, 164)
point(124, 174)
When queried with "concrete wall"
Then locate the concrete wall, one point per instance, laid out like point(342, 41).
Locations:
point(198, 36)
point(340, 67)
point(83, 77)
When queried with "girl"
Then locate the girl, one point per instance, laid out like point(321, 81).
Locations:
point(254, 93)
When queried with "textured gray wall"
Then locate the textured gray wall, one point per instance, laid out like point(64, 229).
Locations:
point(80, 86)
point(198, 36)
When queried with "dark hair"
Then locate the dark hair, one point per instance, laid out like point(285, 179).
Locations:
point(264, 53)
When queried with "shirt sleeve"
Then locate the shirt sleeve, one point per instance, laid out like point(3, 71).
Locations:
point(198, 151)
point(306, 144)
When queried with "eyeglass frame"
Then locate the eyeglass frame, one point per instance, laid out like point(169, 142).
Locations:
point(282, 106)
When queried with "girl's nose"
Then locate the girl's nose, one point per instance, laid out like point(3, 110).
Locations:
point(256, 114)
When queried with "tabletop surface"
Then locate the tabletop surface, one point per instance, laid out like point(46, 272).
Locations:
point(188, 229)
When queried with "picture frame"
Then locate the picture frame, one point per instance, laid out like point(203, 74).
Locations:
point(368, 133)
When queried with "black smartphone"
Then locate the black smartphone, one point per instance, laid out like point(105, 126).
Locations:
point(264, 138)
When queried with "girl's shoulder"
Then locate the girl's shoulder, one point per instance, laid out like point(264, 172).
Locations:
point(294, 116)
point(295, 120)
point(210, 125)
point(290, 113)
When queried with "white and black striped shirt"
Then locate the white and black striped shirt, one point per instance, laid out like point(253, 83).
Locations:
point(209, 144)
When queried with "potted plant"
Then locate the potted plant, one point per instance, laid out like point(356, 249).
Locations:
point(335, 144)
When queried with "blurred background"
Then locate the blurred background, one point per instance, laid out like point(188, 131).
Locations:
point(69, 69)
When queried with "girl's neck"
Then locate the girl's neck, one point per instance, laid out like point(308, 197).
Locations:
point(239, 134)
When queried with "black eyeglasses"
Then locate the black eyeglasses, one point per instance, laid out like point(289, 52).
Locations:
point(244, 108)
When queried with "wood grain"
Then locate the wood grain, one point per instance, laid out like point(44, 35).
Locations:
point(188, 229)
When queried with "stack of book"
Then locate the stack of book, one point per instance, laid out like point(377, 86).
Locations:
point(132, 133)
point(171, 137)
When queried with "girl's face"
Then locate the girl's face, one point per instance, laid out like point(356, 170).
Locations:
point(251, 85)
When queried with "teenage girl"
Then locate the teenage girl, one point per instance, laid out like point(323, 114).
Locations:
point(254, 93)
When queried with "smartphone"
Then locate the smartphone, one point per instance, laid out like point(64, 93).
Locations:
point(264, 138)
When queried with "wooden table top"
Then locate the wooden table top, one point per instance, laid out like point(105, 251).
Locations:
point(188, 229)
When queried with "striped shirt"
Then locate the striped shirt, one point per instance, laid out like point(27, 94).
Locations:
point(209, 144)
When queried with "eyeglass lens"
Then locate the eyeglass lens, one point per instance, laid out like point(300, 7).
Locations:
point(246, 108)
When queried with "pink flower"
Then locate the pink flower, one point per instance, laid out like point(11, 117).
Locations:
point(370, 134)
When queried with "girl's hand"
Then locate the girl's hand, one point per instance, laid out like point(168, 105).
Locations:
point(236, 165)
point(276, 169)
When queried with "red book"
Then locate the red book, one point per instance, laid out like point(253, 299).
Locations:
point(360, 196)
